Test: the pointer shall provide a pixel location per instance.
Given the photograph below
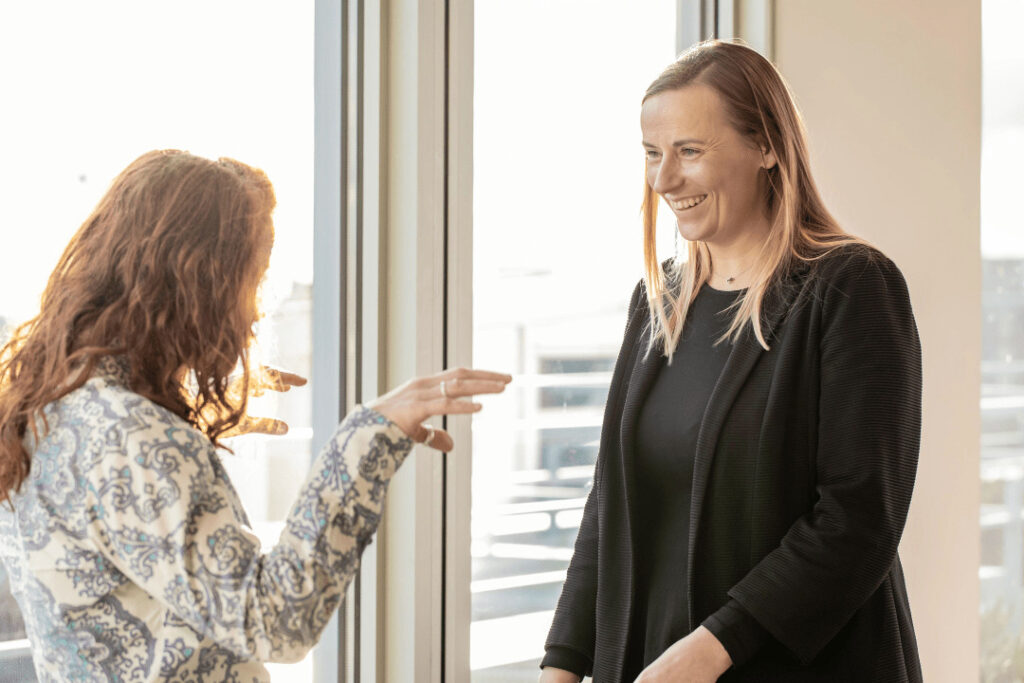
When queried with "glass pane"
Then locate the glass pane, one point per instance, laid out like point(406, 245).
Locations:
point(1002, 361)
point(99, 84)
point(558, 168)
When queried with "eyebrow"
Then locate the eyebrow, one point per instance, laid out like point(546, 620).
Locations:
point(678, 143)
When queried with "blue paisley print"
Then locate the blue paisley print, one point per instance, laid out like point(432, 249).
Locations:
point(132, 560)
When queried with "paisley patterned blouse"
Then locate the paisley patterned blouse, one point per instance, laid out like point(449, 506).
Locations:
point(131, 558)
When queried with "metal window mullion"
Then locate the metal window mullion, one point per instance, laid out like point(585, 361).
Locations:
point(751, 20)
point(348, 349)
point(329, 291)
point(725, 19)
point(415, 246)
point(368, 650)
point(695, 21)
point(459, 335)
point(352, 236)
point(755, 24)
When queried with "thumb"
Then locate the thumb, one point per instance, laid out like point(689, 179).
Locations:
point(265, 425)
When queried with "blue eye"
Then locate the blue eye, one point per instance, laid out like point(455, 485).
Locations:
point(686, 151)
point(649, 153)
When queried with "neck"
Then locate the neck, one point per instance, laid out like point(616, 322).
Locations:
point(738, 259)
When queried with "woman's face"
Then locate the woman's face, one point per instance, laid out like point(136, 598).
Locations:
point(706, 171)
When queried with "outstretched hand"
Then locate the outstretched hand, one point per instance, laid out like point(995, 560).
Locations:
point(267, 379)
point(274, 379)
point(441, 394)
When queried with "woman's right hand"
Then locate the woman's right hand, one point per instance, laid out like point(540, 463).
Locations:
point(441, 394)
point(550, 674)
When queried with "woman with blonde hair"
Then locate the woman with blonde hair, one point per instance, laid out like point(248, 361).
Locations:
point(128, 550)
point(760, 439)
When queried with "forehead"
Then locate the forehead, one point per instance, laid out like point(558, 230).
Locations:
point(695, 111)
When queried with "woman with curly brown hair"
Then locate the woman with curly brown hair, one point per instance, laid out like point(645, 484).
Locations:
point(128, 550)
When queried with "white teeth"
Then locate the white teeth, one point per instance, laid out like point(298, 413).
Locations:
point(689, 203)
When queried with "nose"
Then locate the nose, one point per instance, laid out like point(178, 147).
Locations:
point(666, 175)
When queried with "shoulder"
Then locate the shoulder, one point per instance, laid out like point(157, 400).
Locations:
point(115, 403)
point(857, 268)
point(669, 270)
point(851, 259)
point(145, 461)
point(637, 297)
point(860, 289)
point(116, 419)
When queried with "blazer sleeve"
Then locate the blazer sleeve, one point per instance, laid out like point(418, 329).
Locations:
point(570, 641)
point(834, 557)
point(738, 632)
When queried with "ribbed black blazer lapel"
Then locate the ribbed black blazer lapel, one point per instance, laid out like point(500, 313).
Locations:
point(645, 370)
point(740, 362)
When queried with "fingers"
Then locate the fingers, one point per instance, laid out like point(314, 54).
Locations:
point(289, 379)
point(422, 398)
point(456, 388)
point(440, 441)
point(450, 406)
point(263, 425)
point(276, 379)
point(469, 373)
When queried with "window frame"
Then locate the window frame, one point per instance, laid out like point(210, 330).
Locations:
point(425, 288)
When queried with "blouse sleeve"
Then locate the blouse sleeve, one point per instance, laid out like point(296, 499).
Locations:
point(162, 513)
point(836, 555)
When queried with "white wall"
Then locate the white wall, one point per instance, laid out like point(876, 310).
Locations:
point(891, 95)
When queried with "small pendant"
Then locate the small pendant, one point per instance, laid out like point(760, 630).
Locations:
point(729, 279)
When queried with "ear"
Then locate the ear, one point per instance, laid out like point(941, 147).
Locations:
point(768, 159)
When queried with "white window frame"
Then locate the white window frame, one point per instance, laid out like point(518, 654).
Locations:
point(347, 287)
point(425, 288)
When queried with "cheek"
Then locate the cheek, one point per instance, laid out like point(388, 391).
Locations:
point(740, 182)
point(707, 176)
point(726, 184)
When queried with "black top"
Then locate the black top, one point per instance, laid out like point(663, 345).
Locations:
point(666, 438)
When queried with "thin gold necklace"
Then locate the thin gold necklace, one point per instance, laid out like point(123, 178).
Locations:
point(730, 280)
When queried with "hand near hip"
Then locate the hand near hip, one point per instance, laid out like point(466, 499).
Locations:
point(441, 394)
point(697, 658)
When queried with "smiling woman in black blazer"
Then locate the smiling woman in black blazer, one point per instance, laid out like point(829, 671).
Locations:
point(760, 439)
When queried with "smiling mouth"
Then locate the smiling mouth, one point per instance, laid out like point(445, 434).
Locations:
point(688, 203)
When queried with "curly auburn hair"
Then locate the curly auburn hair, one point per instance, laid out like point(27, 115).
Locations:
point(165, 273)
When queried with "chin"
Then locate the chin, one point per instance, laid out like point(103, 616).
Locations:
point(693, 233)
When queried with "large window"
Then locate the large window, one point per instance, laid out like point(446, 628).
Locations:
point(1002, 360)
point(90, 86)
point(558, 168)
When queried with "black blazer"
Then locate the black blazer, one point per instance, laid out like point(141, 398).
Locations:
point(805, 465)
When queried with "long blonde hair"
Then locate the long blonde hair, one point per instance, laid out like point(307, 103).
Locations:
point(761, 108)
